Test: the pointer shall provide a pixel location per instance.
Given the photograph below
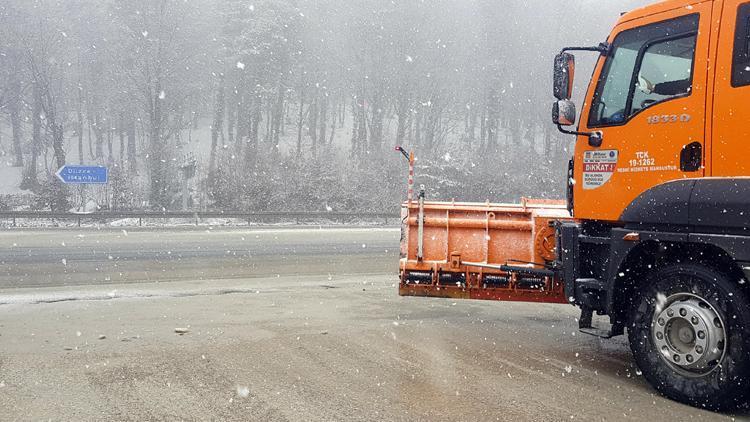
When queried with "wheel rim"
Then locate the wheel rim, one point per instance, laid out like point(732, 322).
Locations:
point(689, 334)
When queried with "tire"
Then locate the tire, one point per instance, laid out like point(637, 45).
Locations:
point(676, 306)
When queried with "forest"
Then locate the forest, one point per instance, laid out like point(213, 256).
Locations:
point(285, 105)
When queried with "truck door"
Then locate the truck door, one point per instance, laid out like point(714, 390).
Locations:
point(648, 100)
point(732, 92)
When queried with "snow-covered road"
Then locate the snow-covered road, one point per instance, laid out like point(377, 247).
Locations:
point(314, 331)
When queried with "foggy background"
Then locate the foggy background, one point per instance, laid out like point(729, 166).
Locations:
point(286, 105)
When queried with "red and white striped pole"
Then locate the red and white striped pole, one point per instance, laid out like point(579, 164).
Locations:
point(410, 186)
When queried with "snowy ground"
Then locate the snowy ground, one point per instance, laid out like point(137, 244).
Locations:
point(290, 325)
point(312, 348)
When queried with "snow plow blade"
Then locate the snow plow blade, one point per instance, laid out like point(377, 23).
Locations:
point(481, 251)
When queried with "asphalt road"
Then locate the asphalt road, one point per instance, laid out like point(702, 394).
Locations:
point(290, 325)
point(68, 258)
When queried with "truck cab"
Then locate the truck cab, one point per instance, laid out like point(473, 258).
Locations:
point(660, 194)
point(667, 102)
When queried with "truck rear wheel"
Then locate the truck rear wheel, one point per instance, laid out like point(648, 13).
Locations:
point(690, 335)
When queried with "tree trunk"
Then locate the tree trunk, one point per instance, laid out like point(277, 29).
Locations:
point(362, 123)
point(269, 112)
point(334, 114)
point(403, 113)
point(376, 123)
point(98, 128)
point(121, 132)
point(79, 127)
point(300, 121)
point(216, 128)
point(323, 118)
point(15, 122)
point(56, 127)
point(254, 119)
point(58, 143)
point(241, 123)
point(313, 115)
point(278, 117)
point(431, 127)
point(232, 104)
point(132, 148)
point(91, 140)
point(483, 129)
point(472, 130)
point(30, 178)
point(159, 175)
point(418, 129)
point(342, 110)
point(355, 129)
point(255, 130)
point(110, 152)
point(403, 124)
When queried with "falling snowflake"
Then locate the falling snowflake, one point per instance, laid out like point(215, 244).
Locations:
point(243, 391)
point(661, 301)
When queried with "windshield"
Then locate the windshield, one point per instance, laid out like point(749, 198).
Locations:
point(646, 65)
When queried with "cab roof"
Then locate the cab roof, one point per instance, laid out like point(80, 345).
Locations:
point(659, 7)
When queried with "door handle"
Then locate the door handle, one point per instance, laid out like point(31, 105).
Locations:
point(691, 157)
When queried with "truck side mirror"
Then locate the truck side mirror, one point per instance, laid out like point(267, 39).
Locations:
point(565, 65)
point(564, 113)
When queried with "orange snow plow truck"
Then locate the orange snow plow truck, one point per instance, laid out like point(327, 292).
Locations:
point(655, 235)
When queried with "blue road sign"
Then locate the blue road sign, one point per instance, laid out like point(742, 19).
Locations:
point(83, 175)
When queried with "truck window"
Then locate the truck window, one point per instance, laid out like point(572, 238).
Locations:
point(666, 72)
point(741, 62)
point(662, 51)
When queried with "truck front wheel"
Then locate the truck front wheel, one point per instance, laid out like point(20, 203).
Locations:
point(690, 335)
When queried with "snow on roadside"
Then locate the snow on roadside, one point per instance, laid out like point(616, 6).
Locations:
point(189, 222)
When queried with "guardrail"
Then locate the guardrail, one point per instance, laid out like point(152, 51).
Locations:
point(197, 216)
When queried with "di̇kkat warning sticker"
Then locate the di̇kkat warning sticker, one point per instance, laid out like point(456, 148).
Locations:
point(598, 167)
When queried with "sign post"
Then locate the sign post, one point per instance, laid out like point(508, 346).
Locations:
point(188, 172)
